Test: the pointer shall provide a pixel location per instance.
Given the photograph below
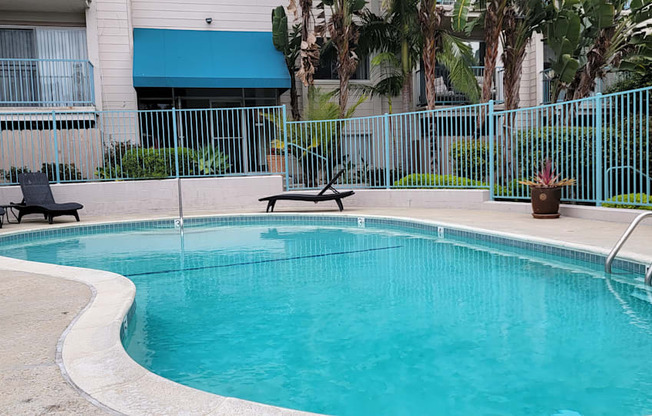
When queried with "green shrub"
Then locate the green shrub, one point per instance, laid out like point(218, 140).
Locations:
point(628, 201)
point(514, 188)
point(419, 180)
point(128, 162)
point(210, 161)
point(67, 172)
point(471, 159)
point(11, 174)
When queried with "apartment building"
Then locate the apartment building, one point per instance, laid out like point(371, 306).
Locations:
point(80, 77)
point(155, 54)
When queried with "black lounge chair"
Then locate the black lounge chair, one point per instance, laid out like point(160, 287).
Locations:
point(320, 197)
point(38, 199)
point(2, 215)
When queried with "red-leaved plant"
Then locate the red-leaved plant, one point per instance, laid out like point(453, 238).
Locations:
point(546, 178)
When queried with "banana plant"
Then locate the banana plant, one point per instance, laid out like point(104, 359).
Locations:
point(637, 59)
point(288, 42)
point(590, 38)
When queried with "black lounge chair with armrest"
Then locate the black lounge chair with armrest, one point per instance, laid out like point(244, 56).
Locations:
point(320, 197)
point(38, 198)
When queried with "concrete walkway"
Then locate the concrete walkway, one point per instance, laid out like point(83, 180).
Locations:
point(36, 309)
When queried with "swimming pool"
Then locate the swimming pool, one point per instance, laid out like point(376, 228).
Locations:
point(336, 315)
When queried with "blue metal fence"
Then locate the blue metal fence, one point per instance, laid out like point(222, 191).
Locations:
point(602, 141)
point(73, 146)
point(46, 83)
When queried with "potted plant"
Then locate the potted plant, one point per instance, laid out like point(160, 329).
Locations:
point(546, 191)
point(276, 157)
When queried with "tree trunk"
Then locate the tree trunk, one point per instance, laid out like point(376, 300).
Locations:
point(294, 98)
point(406, 92)
point(345, 37)
point(493, 26)
point(344, 92)
point(309, 48)
point(430, 19)
point(429, 63)
point(513, 57)
point(404, 143)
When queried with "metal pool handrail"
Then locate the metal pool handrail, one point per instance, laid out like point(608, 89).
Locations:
point(623, 239)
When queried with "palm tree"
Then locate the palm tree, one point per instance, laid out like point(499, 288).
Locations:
point(492, 17)
point(309, 46)
point(493, 25)
point(430, 17)
point(440, 45)
point(390, 81)
point(344, 33)
point(396, 31)
point(522, 19)
point(412, 30)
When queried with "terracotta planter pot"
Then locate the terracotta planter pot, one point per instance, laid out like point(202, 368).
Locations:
point(276, 163)
point(545, 202)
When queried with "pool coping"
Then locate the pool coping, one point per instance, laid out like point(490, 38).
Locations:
point(90, 352)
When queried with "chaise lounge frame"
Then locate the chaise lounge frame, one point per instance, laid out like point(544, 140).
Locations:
point(38, 199)
point(320, 197)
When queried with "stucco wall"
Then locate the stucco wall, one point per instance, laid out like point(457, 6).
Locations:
point(192, 14)
point(240, 194)
point(237, 193)
point(160, 196)
point(111, 21)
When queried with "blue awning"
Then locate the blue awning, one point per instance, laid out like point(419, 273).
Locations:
point(207, 59)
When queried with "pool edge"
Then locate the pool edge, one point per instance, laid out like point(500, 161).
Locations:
point(92, 359)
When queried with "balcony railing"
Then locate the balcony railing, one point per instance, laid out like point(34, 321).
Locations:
point(46, 83)
point(445, 92)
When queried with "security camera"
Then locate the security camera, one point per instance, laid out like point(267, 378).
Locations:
point(209, 20)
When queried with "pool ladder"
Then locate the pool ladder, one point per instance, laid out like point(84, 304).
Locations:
point(619, 245)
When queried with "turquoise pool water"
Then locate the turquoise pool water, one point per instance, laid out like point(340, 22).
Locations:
point(378, 320)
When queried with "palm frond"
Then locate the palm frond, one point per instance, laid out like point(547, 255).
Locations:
point(456, 56)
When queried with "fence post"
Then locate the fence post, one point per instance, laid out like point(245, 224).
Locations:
point(598, 150)
point(175, 139)
point(387, 167)
point(56, 147)
point(91, 83)
point(492, 156)
point(286, 148)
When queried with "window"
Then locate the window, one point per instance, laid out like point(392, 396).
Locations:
point(17, 44)
point(328, 69)
point(44, 66)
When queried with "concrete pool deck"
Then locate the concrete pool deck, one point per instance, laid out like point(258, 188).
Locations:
point(33, 384)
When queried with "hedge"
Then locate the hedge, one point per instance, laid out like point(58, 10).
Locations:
point(420, 180)
point(471, 159)
point(627, 201)
point(126, 162)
